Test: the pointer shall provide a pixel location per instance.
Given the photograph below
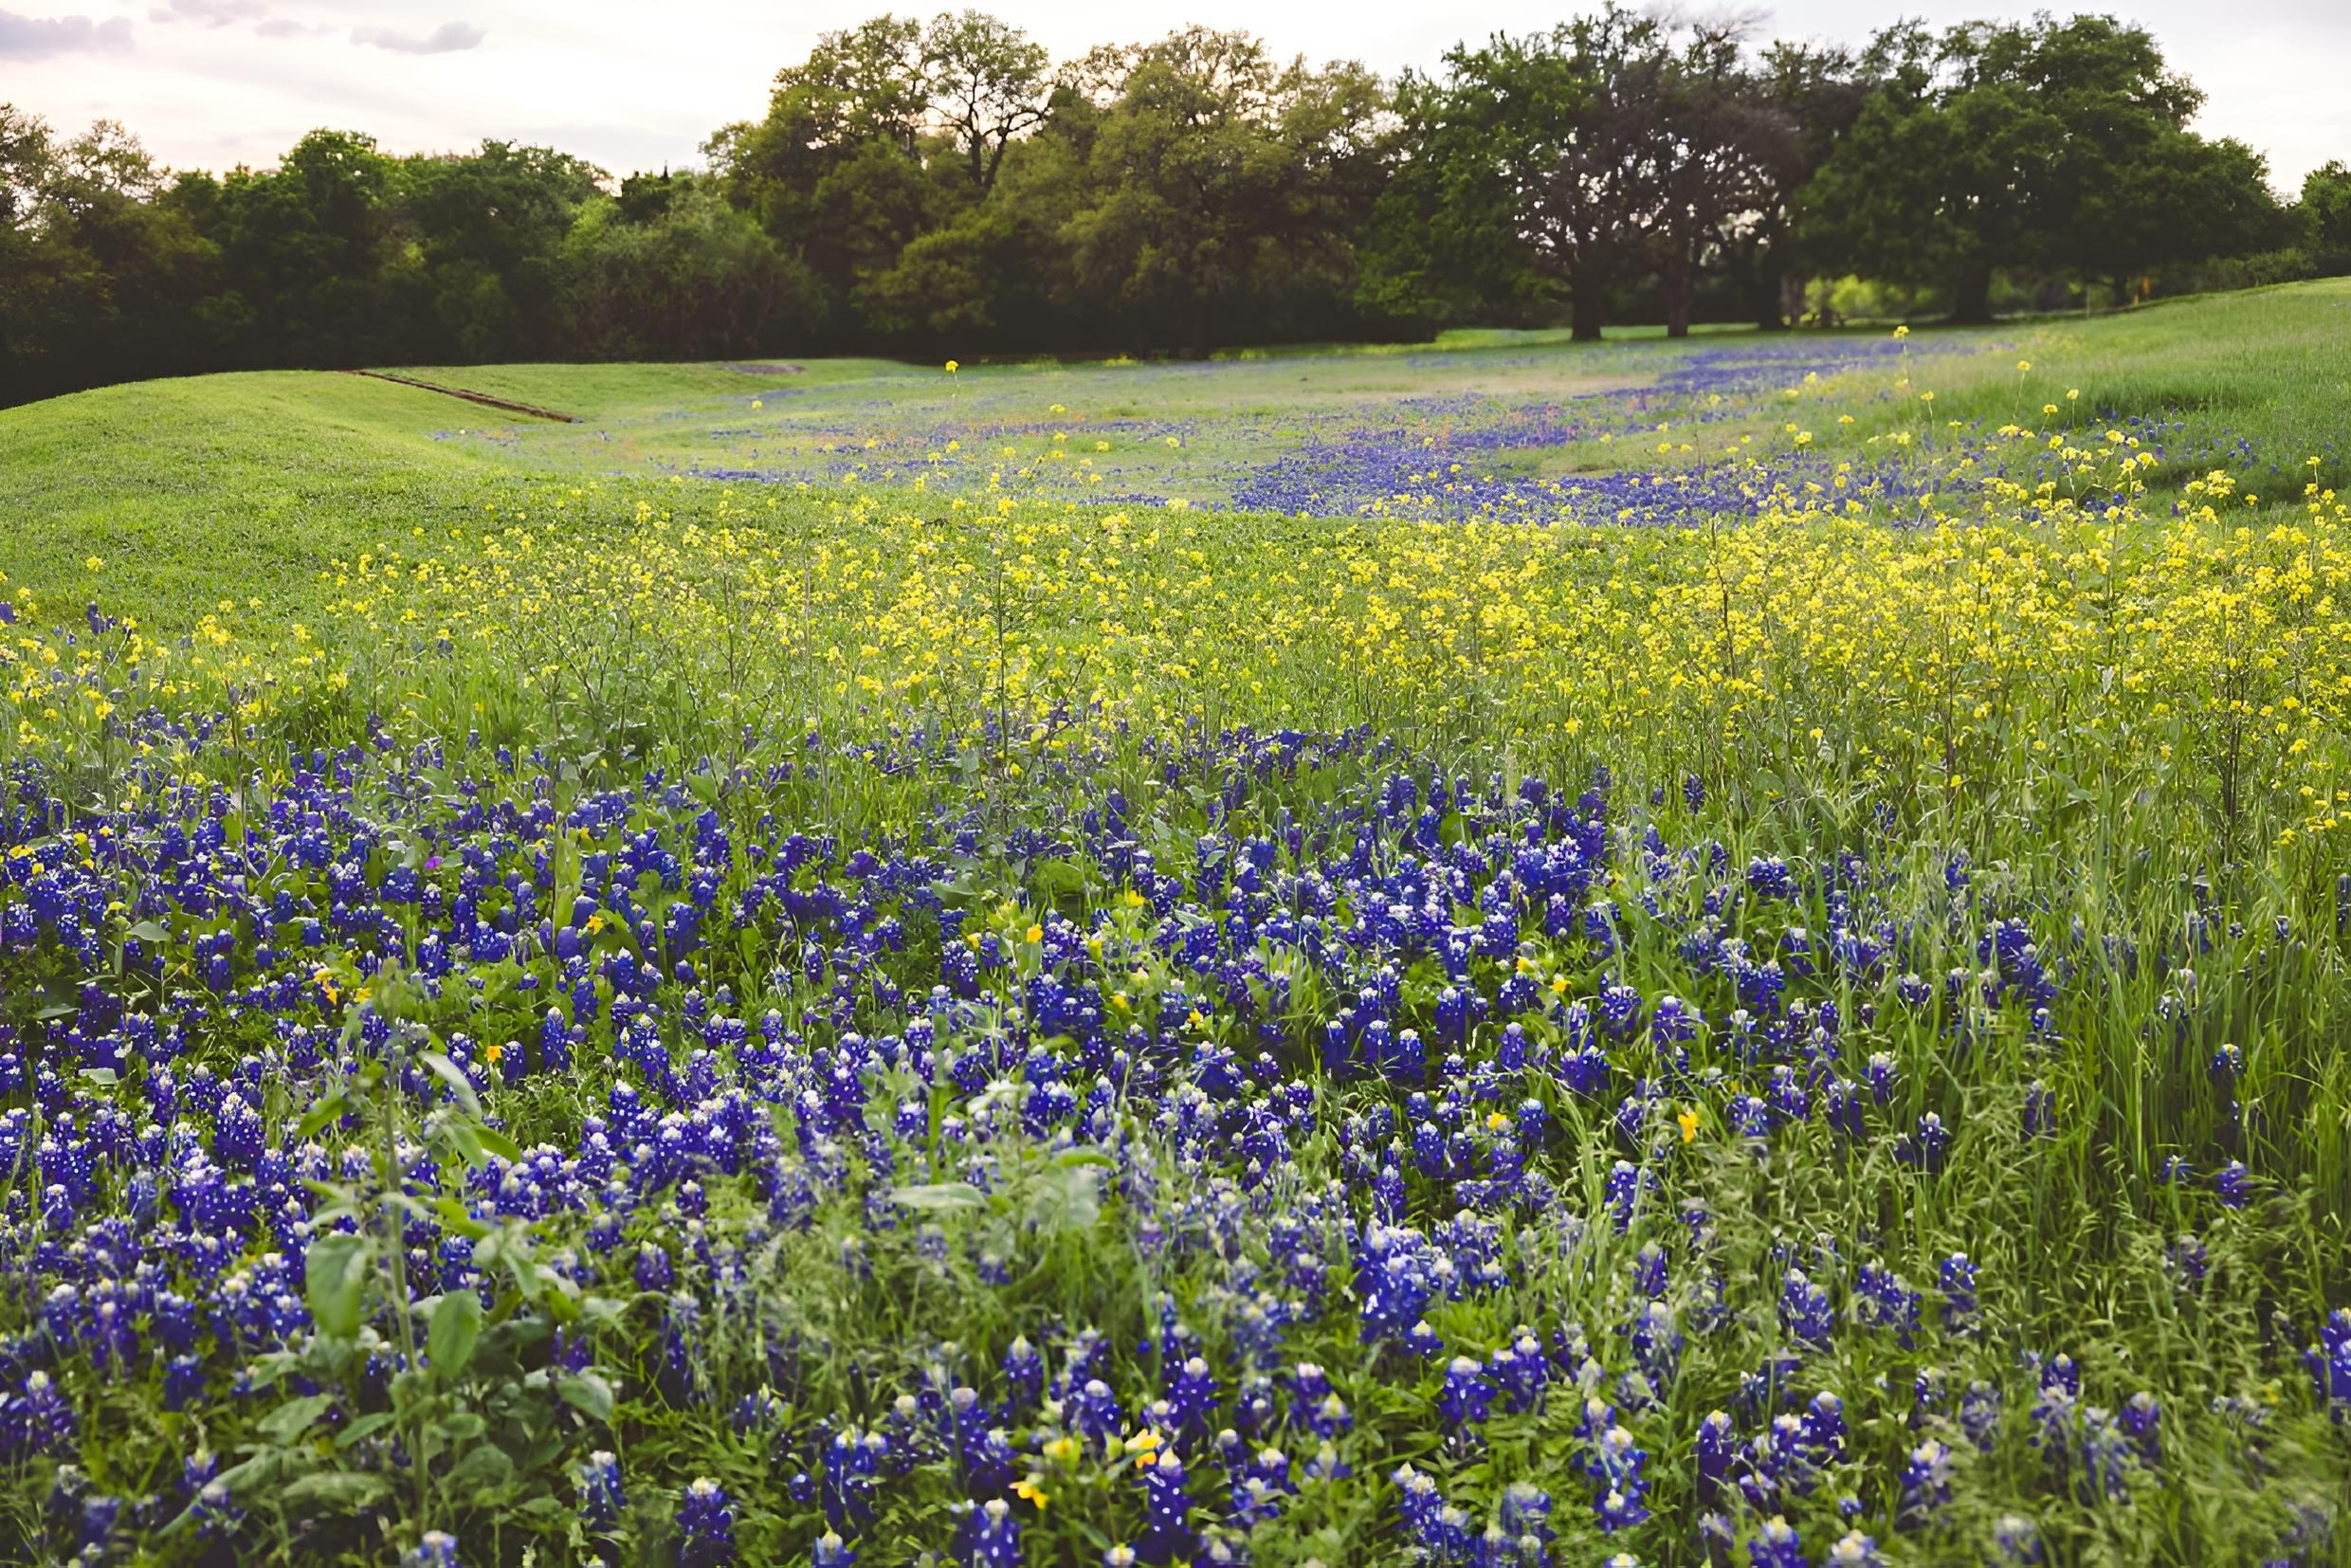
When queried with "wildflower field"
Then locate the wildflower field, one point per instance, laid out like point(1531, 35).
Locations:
point(1503, 954)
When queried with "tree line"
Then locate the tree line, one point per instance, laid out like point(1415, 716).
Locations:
point(948, 186)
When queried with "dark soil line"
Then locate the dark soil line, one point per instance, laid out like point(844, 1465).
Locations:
point(482, 398)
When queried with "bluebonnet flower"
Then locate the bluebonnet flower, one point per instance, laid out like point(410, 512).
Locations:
point(830, 1551)
point(1024, 1378)
point(1854, 1550)
point(1824, 1428)
point(1959, 1292)
point(1615, 1462)
point(1315, 1406)
point(2234, 1185)
point(437, 1549)
point(2040, 1119)
point(1326, 1465)
point(1623, 1186)
point(1926, 1484)
point(1717, 1447)
point(1259, 1487)
point(2141, 1419)
point(990, 1537)
point(1776, 1545)
point(1883, 1300)
point(1468, 1398)
point(653, 1270)
point(1882, 1076)
point(1192, 1399)
point(601, 1500)
point(1805, 1311)
point(2329, 1363)
point(1980, 1415)
point(852, 1463)
point(705, 1526)
point(1926, 1148)
point(1521, 1372)
point(215, 1511)
point(1167, 1511)
point(37, 1418)
point(2017, 1539)
point(1525, 1513)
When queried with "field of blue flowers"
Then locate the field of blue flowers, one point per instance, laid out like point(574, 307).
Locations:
point(1066, 1135)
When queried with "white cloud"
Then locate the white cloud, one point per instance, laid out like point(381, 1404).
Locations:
point(40, 37)
point(448, 38)
point(591, 78)
point(212, 13)
point(285, 26)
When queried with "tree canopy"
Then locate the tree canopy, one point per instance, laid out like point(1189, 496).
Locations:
point(943, 185)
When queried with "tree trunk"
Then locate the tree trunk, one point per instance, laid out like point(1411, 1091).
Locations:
point(1584, 305)
point(1770, 291)
point(1678, 291)
point(1971, 302)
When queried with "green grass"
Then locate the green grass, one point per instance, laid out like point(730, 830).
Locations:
point(246, 485)
point(2129, 735)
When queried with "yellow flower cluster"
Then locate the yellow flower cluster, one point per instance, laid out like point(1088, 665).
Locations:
point(2053, 647)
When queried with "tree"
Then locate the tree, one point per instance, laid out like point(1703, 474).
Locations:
point(1817, 91)
point(1731, 151)
point(2326, 206)
point(488, 225)
point(100, 278)
point(989, 84)
point(307, 249)
point(1550, 152)
point(27, 164)
point(1219, 188)
point(691, 278)
point(835, 173)
point(2003, 145)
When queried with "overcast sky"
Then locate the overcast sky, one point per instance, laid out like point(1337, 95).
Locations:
point(630, 84)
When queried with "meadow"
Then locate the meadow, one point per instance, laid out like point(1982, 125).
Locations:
point(1501, 952)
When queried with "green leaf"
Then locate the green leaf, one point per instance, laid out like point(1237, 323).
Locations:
point(460, 1133)
point(461, 1426)
point(322, 1115)
point(940, 1196)
point(484, 1467)
point(293, 1418)
point(101, 1075)
point(333, 1492)
point(499, 1144)
point(364, 1428)
point(588, 1393)
point(456, 1329)
point(334, 1282)
point(148, 931)
point(460, 1085)
point(453, 1216)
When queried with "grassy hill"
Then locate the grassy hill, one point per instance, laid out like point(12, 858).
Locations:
point(246, 484)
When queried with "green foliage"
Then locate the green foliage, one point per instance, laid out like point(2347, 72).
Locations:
point(2326, 206)
point(942, 188)
point(2045, 144)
